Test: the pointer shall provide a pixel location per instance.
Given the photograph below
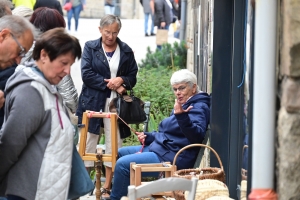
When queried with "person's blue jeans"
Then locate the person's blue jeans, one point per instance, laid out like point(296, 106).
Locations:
point(76, 12)
point(122, 168)
point(146, 22)
point(166, 27)
point(109, 10)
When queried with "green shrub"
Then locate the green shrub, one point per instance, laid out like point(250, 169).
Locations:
point(167, 56)
point(153, 84)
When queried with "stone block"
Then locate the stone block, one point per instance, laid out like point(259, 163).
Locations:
point(288, 155)
point(290, 63)
point(291, 94)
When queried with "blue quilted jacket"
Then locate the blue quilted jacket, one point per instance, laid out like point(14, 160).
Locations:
point(180, 130)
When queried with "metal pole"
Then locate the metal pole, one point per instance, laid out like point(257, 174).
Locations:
point(264, 100)
point(183, 20)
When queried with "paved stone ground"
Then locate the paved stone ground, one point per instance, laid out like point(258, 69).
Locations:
point(132, 33)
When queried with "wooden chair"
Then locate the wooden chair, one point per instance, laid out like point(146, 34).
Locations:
point(137, 169)
point(165, 184)
point(99, 158)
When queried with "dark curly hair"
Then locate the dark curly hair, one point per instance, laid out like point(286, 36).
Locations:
point(44, 19)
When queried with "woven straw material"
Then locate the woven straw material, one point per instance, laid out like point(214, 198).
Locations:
point(208, 188)
point(204, 173)
point(219, 198)
point(243, 190)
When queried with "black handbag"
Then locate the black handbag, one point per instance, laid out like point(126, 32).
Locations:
point(129, 108)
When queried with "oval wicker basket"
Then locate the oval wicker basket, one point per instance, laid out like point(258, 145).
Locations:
point(219, 198)
point(204, 173)
point(209, 188)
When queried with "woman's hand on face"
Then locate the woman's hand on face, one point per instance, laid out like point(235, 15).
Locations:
point(114, 83)
point(178, 108)
point(141, 136)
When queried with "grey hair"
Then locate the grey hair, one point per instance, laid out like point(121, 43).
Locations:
point(109, 20)
point(17, 25)
point(184, 76)
point(23, 11)
point(3, 5)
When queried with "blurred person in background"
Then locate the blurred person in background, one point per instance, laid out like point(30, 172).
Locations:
point(27, 3)
point(148, 13)
point(5, 7)
point(109, 7)
point(163, 14)
point(77, 7)
point(36, 140)
point(55, 4)
point(108, 67)
point(23, 11)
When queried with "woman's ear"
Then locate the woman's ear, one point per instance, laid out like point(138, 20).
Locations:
point(3, 34)
point(43, 55)
point(194, 88)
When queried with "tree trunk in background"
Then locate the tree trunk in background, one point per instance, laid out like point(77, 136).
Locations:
point(288, 151)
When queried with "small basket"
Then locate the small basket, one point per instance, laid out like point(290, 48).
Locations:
point(204, 173)
point(208, 188)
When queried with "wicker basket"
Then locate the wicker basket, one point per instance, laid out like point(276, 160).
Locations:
point(204, 173)
point(209, 188)
point(243, 190)
point(219, 198)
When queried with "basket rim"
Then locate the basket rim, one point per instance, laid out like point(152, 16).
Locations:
point(199, 145)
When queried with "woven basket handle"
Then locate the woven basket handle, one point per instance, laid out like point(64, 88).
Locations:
point(244, 147)
point(198, 145)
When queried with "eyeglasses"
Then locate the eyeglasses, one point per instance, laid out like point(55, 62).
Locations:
point(180, 89)
point(22, 53)
point(107, 33)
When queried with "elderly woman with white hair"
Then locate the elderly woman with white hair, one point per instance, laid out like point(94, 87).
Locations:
point(186, 125)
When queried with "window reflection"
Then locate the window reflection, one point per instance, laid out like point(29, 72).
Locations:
point(247, 98)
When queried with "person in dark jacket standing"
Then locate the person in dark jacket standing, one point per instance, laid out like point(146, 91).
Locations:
point(49, 4)
point(108, 67)
point(163, 14)
point(186, 125)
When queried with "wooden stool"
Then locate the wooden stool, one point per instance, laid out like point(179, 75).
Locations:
point(137, 169)
point(96, 157)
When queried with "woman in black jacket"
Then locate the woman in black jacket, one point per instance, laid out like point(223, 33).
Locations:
point(50, 4)
point(108, 67)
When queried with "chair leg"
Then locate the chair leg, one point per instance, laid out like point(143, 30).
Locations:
point(132, 174)
point(138, 176)
point(98, 176)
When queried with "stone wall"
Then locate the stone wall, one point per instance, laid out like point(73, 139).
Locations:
point(288, 158)
point(126, 9)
